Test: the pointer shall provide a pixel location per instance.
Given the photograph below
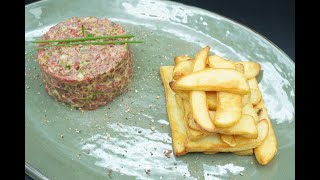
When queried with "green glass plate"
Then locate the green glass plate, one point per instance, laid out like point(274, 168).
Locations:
point(116, 141)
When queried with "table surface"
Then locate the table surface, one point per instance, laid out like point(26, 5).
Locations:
point(273, 19)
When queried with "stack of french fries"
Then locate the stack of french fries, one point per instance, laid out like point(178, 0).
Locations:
point(215, 105)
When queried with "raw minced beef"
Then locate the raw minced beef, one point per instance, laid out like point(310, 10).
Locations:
point(85, 76)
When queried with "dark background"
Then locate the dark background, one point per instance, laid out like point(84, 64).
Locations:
point(274, 19)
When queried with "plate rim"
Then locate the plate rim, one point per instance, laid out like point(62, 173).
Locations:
point(35, 174)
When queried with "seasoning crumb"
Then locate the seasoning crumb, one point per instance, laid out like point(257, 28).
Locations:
point(150, 105)
point(241, 174)
point(62, 136)
point(110, 173)
point(251, 163)
point(136, 91)
point(153, 128)
point(38, 93)
point(108, 136)
point(167, 153)
point(147, 170)
point(160, 177)
point(158, 97)
point(138, 67)
point(152, 120)
point(127, 110)
point(27, 86)
point(139, 132)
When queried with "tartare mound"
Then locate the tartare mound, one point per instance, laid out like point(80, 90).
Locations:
point(85, 76)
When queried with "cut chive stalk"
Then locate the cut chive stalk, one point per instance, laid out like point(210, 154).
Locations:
point(83, 39)
point(92, 43)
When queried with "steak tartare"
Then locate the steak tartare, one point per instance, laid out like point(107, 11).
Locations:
point(85, 76)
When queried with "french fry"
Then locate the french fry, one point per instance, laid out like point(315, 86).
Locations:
point(175, 113)
point(251, 69)
point(246, 99)
point(217, 62)
point(194, 134)
point(248, 152)
point(227, 80)
point(214, 143)
point(246, 127)
point(199, 106)
point(269, 148)
point(229, 139)
point(254, 91)
point(182, 69)
point(189, 117)
point(200, 59)
point(179, 59)
point(198, 99)
point(229, 106)
point(249, 110)
point(212, 100)
point(239, 67)
point(183, 94)
point(229, 109)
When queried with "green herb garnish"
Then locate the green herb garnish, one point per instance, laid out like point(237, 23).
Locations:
point(92, 43)
point(84, 39)
point(82, 29)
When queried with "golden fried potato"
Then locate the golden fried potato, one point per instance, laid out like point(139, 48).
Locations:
point(251, 69)
point(246, 127)
point(229, 109)
point(226, 80)
point(189, 116)
point(198, 99)
point(248, 152)
point(217, 62)
point(229, 139)
point(200, 60)
point(212, 100)
point(199, 106)
point(254, 91)
point(179, 59)
point(249, 110)
point(246, 99)
point(175, 113)
point(182, 69)
point(183, 94)
point(239, 67)
point(255, 96)
point(194, 134)
point(269, 148)
point(214, 143)
point(229, 106)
